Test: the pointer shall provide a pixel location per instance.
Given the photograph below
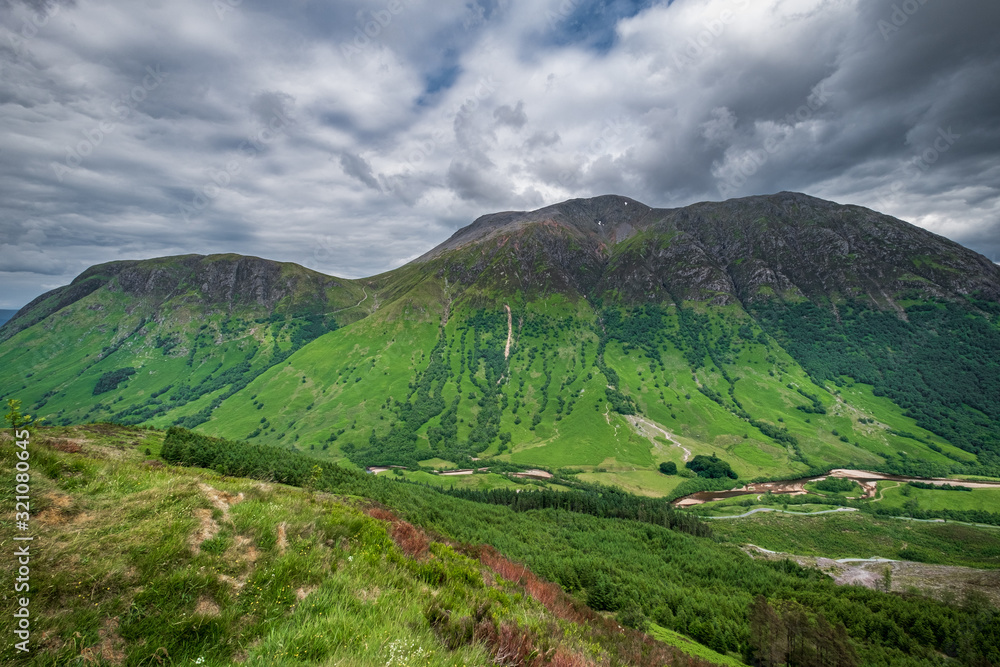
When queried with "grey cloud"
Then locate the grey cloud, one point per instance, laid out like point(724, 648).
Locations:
point(720, 126)
point(270, 105)
point(357, 167)
point(512, 117)
point(473, 182)
point(541, 139)
point(624, 119)
point(29, 260)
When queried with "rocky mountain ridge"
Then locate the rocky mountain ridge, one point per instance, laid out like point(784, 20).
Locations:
point(788, 245)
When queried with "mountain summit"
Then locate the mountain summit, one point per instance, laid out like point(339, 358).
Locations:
point(788, 245)
point(780, 333)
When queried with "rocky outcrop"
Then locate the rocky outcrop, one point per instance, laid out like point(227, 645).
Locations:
point(786, 245)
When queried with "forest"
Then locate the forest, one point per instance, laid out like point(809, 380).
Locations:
point(941, 363)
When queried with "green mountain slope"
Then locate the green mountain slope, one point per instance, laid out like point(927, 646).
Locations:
point(781, 333)
point(135, 339)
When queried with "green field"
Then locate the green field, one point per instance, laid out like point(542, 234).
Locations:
point(550, 404)
point(905, 496)
point(857, 535)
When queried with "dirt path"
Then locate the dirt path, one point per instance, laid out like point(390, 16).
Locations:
point(639, 424)
point(363, 299)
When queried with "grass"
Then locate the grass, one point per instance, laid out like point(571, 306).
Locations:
point(672, 638)
point(139, 563)
point(640, 482)
point(903, 495)
point(856, 535)
point(341, 387)
point(855, 492)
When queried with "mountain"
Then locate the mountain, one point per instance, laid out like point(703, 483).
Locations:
point(782, 333)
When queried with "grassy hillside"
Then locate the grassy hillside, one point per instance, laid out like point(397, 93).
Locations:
point(397, 391)
point(854, 535)
point(610, 392)
point(650, 565)
point(138, 563)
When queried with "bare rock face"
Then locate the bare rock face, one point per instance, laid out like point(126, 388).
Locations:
point(786, 245)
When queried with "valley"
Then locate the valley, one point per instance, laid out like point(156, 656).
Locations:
point(611, 399)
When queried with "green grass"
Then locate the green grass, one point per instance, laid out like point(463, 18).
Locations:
point(336, 391)
point(857, 535)
point(438, 464)
point(639, 482)
point(935, 499)
point(126, 529)
point(139, 562)
point(476, 481)
point(672, 638)
point(856, 492)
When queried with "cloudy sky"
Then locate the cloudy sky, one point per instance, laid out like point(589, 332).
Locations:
point(353, 136)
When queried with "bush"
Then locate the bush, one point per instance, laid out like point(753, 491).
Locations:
point(112, 379)
point(711, 467)
point(668, 468)
point(836, 485)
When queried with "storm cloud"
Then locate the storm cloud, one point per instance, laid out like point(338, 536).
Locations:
point(352, 137)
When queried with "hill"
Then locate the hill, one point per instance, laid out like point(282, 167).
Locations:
point(136, 563)
point(781, 333)
point(154, 548)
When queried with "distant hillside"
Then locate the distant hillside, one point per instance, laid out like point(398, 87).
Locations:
point(782, 333)
point(6, 315)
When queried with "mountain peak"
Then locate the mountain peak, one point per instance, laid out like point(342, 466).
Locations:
point(786, 244)
point(604, 215)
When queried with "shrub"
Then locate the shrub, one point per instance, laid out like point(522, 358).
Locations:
point(668, 468)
